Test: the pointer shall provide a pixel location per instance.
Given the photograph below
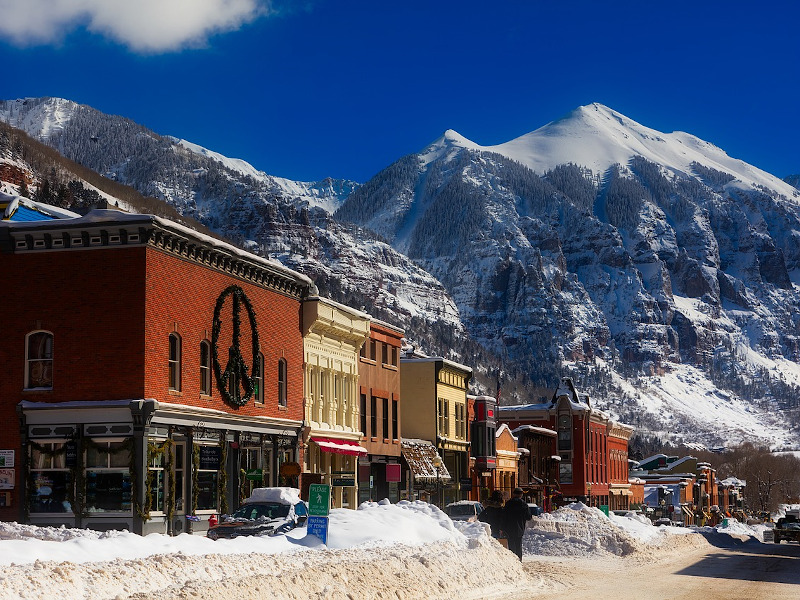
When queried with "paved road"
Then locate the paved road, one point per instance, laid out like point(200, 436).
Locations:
point(727, 569)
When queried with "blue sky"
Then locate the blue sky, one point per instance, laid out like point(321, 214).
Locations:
point(343, 88)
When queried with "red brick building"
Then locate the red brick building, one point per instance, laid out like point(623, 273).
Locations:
point(590, 446)
point(117, 413)
point(379, 471)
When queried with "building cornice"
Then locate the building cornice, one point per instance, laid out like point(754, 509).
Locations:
point(104, 229)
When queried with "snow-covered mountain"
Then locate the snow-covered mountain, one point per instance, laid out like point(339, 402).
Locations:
point(654, 268)
point(272, 216)
point(654, 265)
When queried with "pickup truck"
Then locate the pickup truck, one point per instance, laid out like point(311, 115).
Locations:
point(787, 528)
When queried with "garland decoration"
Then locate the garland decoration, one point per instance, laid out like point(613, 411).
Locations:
point(236, 372)
point(195, 477)
point(222, 476)
point(242, 486)
point(155, 451)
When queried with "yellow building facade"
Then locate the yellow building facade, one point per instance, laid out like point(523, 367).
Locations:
point(332, 338)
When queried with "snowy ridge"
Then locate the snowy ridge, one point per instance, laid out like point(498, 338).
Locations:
point(39, 117)
point(598, 137)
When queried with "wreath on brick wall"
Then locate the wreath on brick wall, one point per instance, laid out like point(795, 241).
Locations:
point(236, 372)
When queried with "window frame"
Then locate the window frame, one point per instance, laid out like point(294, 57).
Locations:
point(113, 465)
point(48, 335)
point(283, 382)
point(174, 362)
point(205, 368)
point(258, 380)
point(52, 464)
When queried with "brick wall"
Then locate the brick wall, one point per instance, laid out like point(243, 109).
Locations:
point(111, 312)
point(181, 298)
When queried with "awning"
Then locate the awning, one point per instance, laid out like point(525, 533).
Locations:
point(420, 456)
point(339, 446)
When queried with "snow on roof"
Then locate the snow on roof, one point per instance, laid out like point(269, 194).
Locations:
point(502, 427)
point(733, 482)
point(534, 429)
point(21, 209)
point(282, 495)
point(446, 361)
point(420, 454)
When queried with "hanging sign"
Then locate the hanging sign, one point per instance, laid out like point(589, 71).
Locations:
point(210, 458)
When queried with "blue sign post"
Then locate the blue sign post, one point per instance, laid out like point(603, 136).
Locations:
point(318, 526)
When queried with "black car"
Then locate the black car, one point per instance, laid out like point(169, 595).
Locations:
point(266, 515)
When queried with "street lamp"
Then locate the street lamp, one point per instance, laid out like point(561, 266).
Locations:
point(437, 464)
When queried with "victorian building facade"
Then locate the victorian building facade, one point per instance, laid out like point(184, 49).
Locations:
point(582, 443)
point(333, 335)
point(155, 373)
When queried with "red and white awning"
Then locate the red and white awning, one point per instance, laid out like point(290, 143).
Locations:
point(339, 446)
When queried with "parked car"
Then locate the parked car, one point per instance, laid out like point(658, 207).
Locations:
point(464, 510)
point(534, 509)
point(268, 511)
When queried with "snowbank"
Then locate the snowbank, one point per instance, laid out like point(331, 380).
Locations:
point(406, 550)
point(579, 530)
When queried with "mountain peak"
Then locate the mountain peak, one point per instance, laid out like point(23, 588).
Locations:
point(448, 144)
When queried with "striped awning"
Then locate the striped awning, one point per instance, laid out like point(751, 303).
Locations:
point(336, 446)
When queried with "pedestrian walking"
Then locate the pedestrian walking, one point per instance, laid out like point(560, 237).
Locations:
point(516, 514)
point(493, 514)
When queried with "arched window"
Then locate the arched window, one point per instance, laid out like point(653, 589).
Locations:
point(39, 360)
point(282, 376)
point(258, 380)
point(174, 361)
point(205, 368)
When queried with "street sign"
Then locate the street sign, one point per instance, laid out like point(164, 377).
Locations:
point(254, 475)
point(343, 482)
point(319, 499)
point(318, 526)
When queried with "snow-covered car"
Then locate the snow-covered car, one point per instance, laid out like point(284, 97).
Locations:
point(464, 510)
point(268, 511)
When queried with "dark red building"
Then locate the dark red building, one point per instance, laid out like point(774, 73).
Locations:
point(152, 375)
point(589, 446)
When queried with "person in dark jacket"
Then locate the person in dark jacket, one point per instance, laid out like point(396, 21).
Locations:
point(493, 513)
point(516, 514)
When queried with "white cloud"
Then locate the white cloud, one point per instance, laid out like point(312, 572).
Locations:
point(146, 26)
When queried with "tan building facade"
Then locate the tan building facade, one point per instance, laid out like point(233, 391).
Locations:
point(435, 409)
point(506, 473)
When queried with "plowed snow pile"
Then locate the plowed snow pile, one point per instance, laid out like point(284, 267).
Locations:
point(579, 530)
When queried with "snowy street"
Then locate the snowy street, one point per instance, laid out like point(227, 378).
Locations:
point(719, 568)
point(405, 551)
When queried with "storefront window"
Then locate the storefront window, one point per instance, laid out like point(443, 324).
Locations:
point(565, 472)
point(253, 473)
point(108, 479)
point(208, 478)
point(157, 483)
point(51, 479)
